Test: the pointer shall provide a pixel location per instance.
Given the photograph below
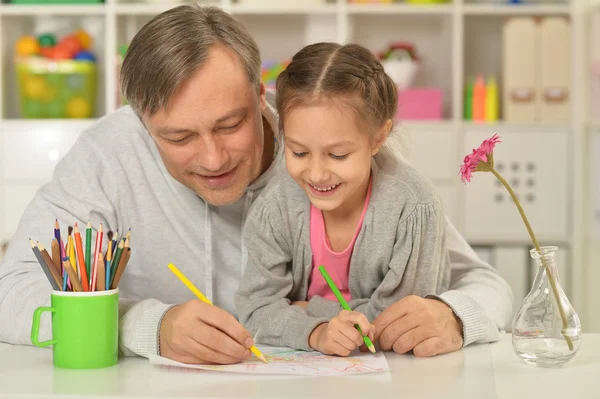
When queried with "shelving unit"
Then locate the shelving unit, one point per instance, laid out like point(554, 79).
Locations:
point(455, 41)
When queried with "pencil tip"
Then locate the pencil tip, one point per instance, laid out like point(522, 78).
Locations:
point(110, 235)
point(70, 229)
point(263, 358)
point(372, 348)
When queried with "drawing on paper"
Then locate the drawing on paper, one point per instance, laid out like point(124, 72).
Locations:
point(292, 362)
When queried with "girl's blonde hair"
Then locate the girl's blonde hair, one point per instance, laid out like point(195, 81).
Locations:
point(350, 74)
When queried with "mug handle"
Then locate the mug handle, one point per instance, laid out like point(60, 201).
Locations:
point(35, 327)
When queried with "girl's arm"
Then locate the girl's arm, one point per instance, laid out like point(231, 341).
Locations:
point(419, 265)
point(262, 299)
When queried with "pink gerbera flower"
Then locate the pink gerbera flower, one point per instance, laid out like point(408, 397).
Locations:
point(481, 159)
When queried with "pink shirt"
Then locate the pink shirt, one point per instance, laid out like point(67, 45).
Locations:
point(336, 263)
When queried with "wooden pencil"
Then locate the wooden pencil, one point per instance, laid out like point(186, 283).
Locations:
point(56, 255)
point(88, 251)
point(81, 259)
point(101, 278)
point(120, 269)
point(97, 253)
point(45, 267)
point(75, 284)
point(118, 254)
point(55, 271)
point(109, 258)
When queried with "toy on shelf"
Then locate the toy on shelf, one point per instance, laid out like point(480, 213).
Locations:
point(401, 63)
point(270, 70)
point(57, 78)
point(481, 100)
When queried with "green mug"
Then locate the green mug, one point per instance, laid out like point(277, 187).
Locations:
point(85, 328)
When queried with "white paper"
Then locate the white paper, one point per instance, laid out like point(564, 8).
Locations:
point(292, 362)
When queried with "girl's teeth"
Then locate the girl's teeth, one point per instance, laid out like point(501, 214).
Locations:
point(325, 189)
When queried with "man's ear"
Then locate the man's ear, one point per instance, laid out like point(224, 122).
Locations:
point(381, 136)
point(263, 97)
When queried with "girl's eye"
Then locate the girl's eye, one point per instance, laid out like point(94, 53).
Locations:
point(299, 154)
point(338, 157)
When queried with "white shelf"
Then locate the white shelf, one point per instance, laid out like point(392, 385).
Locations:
point(387, 9)
point(289, 8)
point(20, 124)
point(35, 9)
point(515, 9)
point(142, 9)
point(502, 126)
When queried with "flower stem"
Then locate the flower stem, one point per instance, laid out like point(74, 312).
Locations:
point(537, 247)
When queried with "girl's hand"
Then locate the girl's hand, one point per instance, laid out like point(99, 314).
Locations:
point(339, 336)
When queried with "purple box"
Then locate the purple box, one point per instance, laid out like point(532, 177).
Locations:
point(421, 104)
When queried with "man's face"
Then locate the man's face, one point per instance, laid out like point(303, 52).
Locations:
point(210, 136)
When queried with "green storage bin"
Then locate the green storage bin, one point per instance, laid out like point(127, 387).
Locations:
point(56, 89)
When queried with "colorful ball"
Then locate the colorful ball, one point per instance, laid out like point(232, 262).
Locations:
point(47, 52)
point(85, 56)
point(78, 107)
point(84, 39)
point(34, 87)
point(47, 40)
point(27, 45)
point(72, 44)
point(62, 53)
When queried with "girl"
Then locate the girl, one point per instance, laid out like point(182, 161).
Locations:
point(371, 220)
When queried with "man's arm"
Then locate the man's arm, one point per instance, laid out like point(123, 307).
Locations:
point(477, 306)
point(478, 295)
point(83, 188)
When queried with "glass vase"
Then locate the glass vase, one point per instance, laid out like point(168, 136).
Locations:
point(544, 334)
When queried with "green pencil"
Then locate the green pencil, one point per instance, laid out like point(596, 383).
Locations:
point(344, 304)
point(88, 249)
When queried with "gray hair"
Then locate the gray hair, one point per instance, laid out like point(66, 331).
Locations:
point(171, 47)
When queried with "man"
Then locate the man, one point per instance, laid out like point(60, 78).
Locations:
point(181, 167)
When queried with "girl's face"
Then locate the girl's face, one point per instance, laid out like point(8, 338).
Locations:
point(329, 156)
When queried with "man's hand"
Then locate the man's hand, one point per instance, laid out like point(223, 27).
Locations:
point(339, 336)
point(196, 332)
point(428, 327)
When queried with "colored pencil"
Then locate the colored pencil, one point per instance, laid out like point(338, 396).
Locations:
point(71, 253)
point(118, 254)
point(72, 275)
point(56, 256)
point(204, 299)
point(345, 305)
point(115, 240)
point(81, 259)
point(64, 272)
point(101, 280)
point(45, 267)
point(120, 269)
point(97, 252)
point(55, 271)
point(109, 255)
point(88, 250)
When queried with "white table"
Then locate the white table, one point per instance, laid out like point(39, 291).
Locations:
point(479, 371)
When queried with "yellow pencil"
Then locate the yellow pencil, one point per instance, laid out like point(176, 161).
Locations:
point(204, 299)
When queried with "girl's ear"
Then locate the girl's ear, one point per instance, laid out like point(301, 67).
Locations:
point(381, 136)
